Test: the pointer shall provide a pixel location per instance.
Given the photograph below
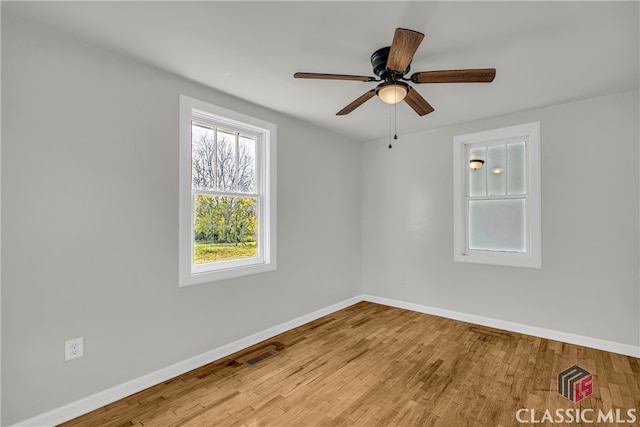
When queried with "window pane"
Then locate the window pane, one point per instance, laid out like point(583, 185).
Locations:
point(247, 165)
point(516, 173)
point(225, 228)
point(202, 157)
point(496, 178)
point(477, 178)
point(226, 161)
point(497, 225)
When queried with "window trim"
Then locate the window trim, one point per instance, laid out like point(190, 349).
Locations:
point(265, 133)
point(532, 257)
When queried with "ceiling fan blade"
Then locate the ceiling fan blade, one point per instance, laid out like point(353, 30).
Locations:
point(479, 75)
point(333, 77)
point(418, 103)
point(404, 46)
point(358, 102)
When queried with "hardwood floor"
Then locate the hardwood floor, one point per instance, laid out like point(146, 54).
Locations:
point(373, 365)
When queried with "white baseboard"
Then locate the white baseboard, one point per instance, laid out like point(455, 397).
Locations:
point(614, 347)
point(98, 400)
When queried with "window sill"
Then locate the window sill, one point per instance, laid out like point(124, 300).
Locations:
point(225, 273)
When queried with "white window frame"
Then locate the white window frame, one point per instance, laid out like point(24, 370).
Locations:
point(265, 133)
point(532, 256)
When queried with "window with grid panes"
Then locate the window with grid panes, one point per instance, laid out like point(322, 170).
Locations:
point(227, 188)
point(497, 205)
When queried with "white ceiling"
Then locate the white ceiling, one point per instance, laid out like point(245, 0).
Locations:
point(544, 52)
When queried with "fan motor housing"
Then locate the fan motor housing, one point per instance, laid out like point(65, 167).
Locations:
point(379, 62)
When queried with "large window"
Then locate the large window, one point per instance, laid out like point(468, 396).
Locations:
point(497, 196)
point(227, 193)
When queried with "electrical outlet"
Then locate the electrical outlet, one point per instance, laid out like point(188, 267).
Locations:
point(73, 348)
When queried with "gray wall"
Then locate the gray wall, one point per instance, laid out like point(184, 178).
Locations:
point(90, 224)
point(589, 282)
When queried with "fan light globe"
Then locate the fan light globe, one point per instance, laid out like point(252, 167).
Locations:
point(392, 93)
point(475, 164)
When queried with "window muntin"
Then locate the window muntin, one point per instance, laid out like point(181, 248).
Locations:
point(497, 207)
point(227, 213)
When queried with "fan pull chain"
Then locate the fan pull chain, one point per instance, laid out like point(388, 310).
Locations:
point(395, 123)
point(390, 146)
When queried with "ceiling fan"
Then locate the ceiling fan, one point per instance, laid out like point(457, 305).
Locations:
point(391, 64)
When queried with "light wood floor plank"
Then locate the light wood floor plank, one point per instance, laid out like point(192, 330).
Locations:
point(371, 365)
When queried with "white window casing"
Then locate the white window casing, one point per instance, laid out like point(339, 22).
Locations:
point(264, 134)
point(516, 245)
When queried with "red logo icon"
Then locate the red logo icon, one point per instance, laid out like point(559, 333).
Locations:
point(575, 383)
